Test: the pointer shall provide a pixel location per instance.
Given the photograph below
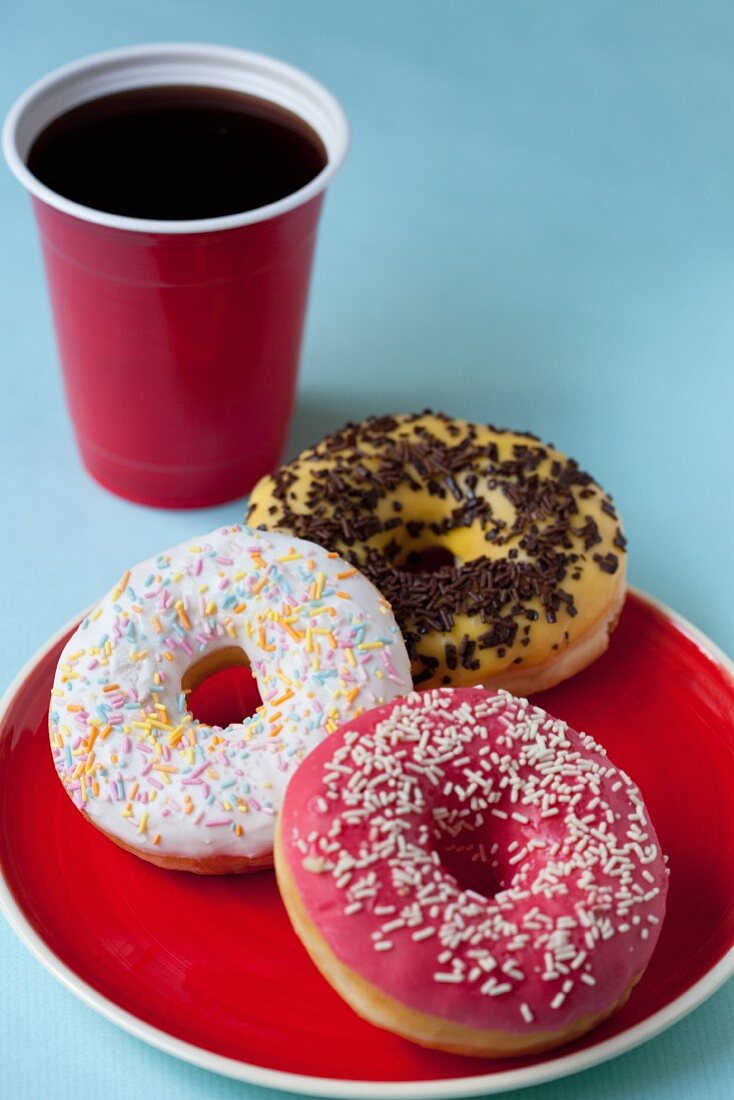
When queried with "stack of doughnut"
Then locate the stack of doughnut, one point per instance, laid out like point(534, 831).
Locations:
point(499, 861)
point(503, 561)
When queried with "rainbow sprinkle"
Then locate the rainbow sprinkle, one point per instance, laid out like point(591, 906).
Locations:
point(321, 644)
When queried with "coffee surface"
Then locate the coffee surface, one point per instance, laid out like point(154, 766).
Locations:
point(176, 153)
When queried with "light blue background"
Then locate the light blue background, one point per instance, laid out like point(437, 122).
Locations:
point(535, 227)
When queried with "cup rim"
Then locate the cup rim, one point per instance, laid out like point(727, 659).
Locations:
point(290, 77)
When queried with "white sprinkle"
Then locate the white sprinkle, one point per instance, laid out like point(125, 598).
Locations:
point(315, 864)
point(493, 988)
point(526, 1013)
point(514, 972)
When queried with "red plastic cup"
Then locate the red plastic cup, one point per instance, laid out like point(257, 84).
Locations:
point(179, 340)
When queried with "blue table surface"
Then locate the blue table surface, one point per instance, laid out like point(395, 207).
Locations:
point(535, 227)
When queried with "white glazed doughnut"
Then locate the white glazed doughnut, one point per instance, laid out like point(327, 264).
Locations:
point(320, 640)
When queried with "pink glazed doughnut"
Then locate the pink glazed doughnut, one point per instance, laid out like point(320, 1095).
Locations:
point(470, 873)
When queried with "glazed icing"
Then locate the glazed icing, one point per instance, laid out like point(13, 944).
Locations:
point(575, 883)
point(322, 645)
point(538, 550)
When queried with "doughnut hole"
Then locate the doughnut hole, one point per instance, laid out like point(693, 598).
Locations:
point(484, 860)
point(469, 863)
point(220, 688)
point(428, 559)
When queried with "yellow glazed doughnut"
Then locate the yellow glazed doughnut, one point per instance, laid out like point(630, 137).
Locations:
point(503, 561)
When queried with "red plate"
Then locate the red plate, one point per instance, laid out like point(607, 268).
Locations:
point(209, 969)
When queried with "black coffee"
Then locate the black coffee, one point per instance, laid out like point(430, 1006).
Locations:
point(176, 153)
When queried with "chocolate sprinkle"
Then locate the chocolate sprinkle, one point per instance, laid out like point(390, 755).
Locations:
point(352, 476)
